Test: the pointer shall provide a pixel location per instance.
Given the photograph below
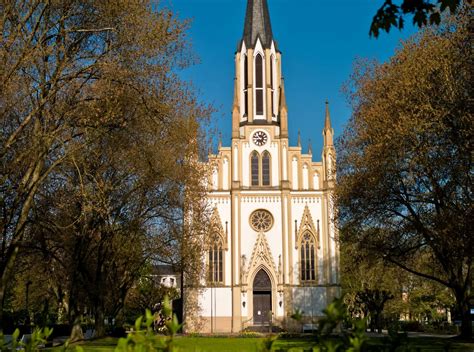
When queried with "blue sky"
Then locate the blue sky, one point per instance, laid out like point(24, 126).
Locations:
point(319, 41)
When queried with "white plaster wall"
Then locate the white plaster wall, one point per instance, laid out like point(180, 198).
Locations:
point(311, 300)
point(216, 301)
point(215, 178)
point(244, 298)
point(280, 311)
point(275, 167)
point(225, 173)
point(245, 163)
point(316, 181)
point(294, 169)
point(305, 177)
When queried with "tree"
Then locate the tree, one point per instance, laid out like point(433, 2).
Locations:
point(424, 12)
point(96, 129)
point(405, 160)
point(383, 292)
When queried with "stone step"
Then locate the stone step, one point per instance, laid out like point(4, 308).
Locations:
point(264, 329)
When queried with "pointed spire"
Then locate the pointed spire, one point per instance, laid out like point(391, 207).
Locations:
point(283, 111)
point(235, 112)
point(283, 95)
point(220, 141)
point(310, 147)
point(257, 24)
point(327, 121)
point(235, 104)
point(299, 138)
point(328, 132)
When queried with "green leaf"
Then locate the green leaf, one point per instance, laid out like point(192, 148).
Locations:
point(138, 323)
point(452, 4)
point(435, 18)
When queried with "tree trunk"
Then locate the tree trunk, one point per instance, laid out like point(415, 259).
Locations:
point(2, 295)
point(5, 276)
point(99, 317)
point(463, 309)
point(76, 331)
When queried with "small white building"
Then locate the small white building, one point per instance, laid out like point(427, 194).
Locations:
point(273, 249)
point(166, 276)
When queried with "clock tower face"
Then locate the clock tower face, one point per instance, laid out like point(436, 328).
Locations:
point(260, 138)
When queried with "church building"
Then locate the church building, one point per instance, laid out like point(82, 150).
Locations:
point(272, 249)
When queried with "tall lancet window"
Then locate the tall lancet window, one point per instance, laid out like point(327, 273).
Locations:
point(307, 258)
point(216, 261)
point(259, 84)
point(246, 85)
point(266, 168)
point(254, 163)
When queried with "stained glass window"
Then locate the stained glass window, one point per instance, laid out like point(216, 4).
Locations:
point(216, 262)
point(266, 169)
point(307, 258)
point(254, 166)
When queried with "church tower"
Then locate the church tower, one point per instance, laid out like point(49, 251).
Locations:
point(259, 84)
point(272, 245)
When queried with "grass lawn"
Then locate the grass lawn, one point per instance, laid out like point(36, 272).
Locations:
point(237, 344)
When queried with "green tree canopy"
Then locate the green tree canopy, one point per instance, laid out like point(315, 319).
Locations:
point(405, 159)
point(424, 12)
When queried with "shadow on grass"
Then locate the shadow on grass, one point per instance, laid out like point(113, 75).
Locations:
point(299, 344)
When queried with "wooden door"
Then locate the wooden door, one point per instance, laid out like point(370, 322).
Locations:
point(262, 306)
point(262, 298)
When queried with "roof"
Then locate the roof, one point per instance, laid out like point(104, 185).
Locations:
point(164, 269)
point(257, 24)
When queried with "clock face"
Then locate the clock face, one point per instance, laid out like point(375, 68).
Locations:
point(260, 138)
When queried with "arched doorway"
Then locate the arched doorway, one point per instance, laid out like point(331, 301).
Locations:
point(262, 298)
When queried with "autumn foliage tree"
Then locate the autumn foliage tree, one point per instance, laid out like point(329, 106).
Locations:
point(405, 160)
point(95, 142)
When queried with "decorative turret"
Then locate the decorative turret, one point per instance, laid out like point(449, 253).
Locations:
point(329, 152)
point(328, 132)
point(235, 111)
point(283, 111)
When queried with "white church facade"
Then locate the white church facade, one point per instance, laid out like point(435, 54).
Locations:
point(272, 248)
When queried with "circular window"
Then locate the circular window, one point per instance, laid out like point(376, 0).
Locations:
point(261, 220)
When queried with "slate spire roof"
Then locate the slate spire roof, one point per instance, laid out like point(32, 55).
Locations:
point(257, 24)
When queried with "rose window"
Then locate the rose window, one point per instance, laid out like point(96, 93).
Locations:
point(261, 220)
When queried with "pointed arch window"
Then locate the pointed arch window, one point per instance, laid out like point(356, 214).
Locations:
point(307, 258)
point(255, 163)
point(266, 169)
point(216, 260)
point(246, 84)
point(259, 84)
